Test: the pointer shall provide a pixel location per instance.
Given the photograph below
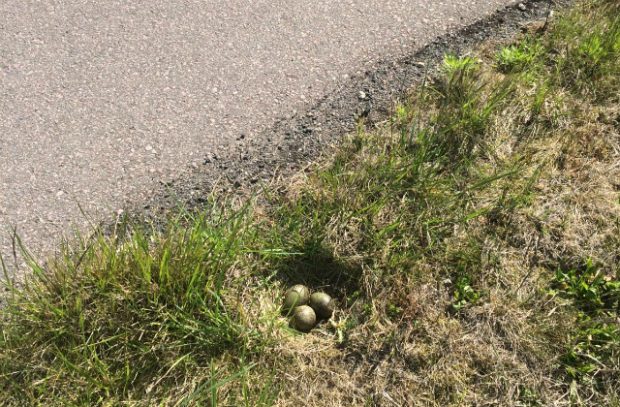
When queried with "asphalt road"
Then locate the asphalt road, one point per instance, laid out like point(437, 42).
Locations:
point(102, 100)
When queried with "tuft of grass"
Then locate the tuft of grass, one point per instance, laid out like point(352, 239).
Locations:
point(585, 50)
point(464, 294)
point(519, 57)
point(594, 350)
point(127, 320)
point(453, 237)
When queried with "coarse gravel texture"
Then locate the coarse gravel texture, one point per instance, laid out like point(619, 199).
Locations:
point(119, 106)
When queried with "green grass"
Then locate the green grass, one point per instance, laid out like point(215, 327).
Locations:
point(596, 341)
point(519, 57)
point(472, 241)
point(122, 317)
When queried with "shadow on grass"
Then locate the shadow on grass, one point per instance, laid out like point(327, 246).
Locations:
point(314, 264)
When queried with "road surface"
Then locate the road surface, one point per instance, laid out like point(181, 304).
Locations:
point(100, 101)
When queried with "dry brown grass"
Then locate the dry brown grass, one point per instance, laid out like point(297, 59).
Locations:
point(504, 351)
point(507, 349)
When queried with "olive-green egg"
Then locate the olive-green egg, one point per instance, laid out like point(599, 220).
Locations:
point(295, 296)
point(322, 304)
point(303, 291)
point(304, 318)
